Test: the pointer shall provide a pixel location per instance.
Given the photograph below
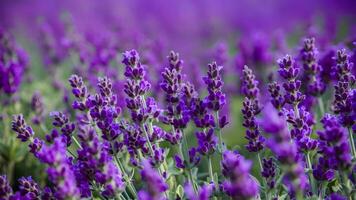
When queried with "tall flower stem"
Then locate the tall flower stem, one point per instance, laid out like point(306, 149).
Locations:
point(211, 170)
point(127, 180)
point(352, 143)
point(219, 134)
point(152, 151)
point(321, 106)
point(312, 181)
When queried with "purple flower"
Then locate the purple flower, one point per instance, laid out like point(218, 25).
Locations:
point(13, 63)
point(24, 132)
point(277, 99)
point(155, 184)
point(285, 149)
point(61, 121)
point(269, 171)
point(80, 92)
point(216, 98)
point(204, 192)
point(250, 110)
point(207, 142)
point(29, 188)
point(308, 55)
point(342, 104)
point(5, 188)
point(59, 169)
point(335, 196)
point(236, 169)
point(289, 71)
point(334, 144)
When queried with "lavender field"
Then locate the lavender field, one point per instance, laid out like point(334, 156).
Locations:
point(176, 100)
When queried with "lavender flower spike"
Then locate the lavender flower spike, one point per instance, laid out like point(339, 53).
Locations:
point(250, 110)
point(236, 169)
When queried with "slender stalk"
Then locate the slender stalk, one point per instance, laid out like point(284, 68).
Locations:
point(152, 152)
point(311, 178)
point(76, 142)
point(321, 106)
point(211, 170)
point(129, 183)
point(352, 143)
point(219, 133)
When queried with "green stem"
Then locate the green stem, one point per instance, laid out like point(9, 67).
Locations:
point(311, 178)
point(152, 152)
point(210, 170)
point(219, 133)
point(352, 143)
point(76, 142)
point(129, 183)
point(321, 106)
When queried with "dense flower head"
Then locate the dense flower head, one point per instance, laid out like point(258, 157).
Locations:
point(308, 55)
point(13, 63)
point(236, 169)
point(342, 104)
point(249, 84)
point(277, 99)
point(5, 188)
point(302, 122)
point(207, 142)
point(216, 98)
point(285, 150)
point(203, 194)
point(66, 127)
point(334, 144)
point(96, 164)
point(155, 184)
point(29, 188)
point(269, 171)
point(80, 91)
point(59, 169)
point(289, 71)
point(250, 110)
point(24, 131)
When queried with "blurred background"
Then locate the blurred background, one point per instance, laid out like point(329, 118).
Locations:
point(62, 37)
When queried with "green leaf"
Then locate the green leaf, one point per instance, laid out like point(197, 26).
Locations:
point(180, 191)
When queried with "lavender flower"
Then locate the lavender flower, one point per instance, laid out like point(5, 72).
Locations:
point(80, 91)
point(207, 142)
point(203, 194)
point(155, 185)
point(342, 97)
point(236, 169)
point(28, 188)
point(24, 132)
point(269, 172)
point(334, 144)
point(13, 63)
point(308, 55)
point(285, 150)
point(250, 110)
point(61, 121)
point(5, 188)
point(277, 99)
point(216, 98)
point(60, 171)
point(289, 71)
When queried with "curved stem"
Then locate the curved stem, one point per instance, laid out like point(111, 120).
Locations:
point(352, 143)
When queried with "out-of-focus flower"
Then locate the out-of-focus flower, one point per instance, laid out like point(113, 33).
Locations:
point(155, 184)
point(236, 169)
